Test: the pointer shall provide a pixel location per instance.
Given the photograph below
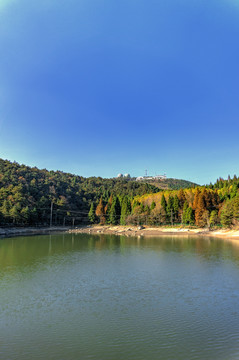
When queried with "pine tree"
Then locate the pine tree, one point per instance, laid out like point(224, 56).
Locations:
point(196, 197)
point(115, 211)
point(170, 209)
point(125, 210)
point(200, 215)
point(181, 198)
point(153, 205)
point(227, 214)
point(100, 211)
point(91, 214)
point(190, 216)
point(164, 203)
point(176, 207)
point(184, 214)
point(213, 220)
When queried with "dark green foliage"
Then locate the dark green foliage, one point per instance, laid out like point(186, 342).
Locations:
point(115, 211)
point(214, 220)
point(184, 214)
point(227, 214)
point(170, 204)
point(26, 194)
point(172, 184)
point(190, 216)
point(91, 215)
point(164, 203)
point(153, 205)
point(125, 210)
point(176, 208)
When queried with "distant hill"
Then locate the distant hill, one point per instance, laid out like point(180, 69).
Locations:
point(170, 184)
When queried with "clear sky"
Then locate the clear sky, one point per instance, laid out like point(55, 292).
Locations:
point(100, 87)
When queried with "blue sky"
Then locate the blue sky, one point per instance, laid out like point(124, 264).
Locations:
point(100, 87)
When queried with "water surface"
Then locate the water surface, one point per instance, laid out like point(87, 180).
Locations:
point(118, 298)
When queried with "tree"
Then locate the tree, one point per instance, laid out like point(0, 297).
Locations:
point(181, 198)
point(213, 220)
point(190, 216)
point(170, 208)
point(163, 203)
point(184, 214)
point(125, 210)
point(25, 214)
point(5, 209)
point(199, 212)
point(176, 207)
point(14, 214)
point(227, 214)
point(115, 211)
point(100, 211)
point(153, 205)
point(91, 214)
point(107, 208)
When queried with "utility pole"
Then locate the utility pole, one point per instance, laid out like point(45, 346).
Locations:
point(51, 213)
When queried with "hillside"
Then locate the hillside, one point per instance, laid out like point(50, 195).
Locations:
point(171, 184)
point(26, 194)
point(29, 196)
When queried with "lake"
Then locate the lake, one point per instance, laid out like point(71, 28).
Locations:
point(106, 297)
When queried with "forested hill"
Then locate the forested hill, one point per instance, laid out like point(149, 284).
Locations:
point(29, 196)
point(26, 194)
point(171, 184)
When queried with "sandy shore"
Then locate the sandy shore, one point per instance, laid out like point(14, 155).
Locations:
point(121, 230)
point(154, 231)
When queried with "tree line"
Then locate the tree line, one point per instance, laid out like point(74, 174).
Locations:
point(205, 206)
point(29, 196)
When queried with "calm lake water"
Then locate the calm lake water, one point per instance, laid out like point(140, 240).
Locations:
point(118, 298)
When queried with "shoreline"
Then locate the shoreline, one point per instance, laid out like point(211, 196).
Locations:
point(14, 231)
point(121, 230)
point(154, 231)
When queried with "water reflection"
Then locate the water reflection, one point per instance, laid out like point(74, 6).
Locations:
point(69, 296)
point(21, 250)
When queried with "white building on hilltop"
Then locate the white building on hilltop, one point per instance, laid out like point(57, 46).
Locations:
point(156, 177)
point(125, 176)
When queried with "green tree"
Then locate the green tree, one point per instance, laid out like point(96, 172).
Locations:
point(115, 211)
point(170, 209)
point(125, 210)
point(25, 215)
point(184, 214)
point(227, 214)
point(14, 214)
point(176, 207)
point(164, 203)
point(91, 214)
point(153, 205)
point(213, 220)
point(190, 216)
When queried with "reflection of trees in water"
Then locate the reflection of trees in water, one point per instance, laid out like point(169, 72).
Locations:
point(31, 249)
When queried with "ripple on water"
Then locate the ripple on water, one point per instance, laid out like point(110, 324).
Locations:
point(153, 301)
